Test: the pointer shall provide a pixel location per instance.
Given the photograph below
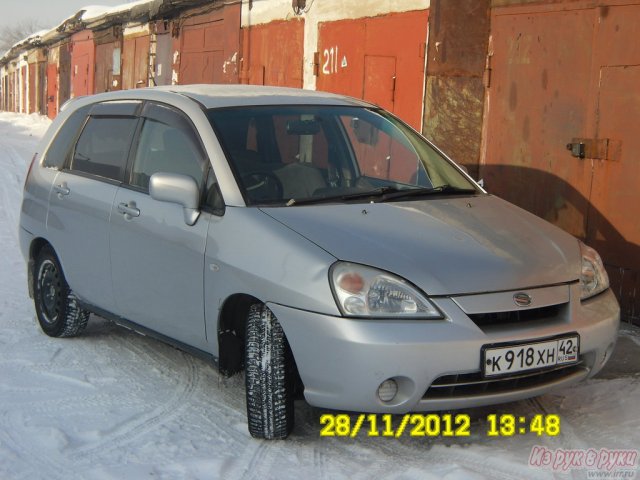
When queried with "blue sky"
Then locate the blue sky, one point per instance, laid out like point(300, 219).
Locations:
point(48, 13)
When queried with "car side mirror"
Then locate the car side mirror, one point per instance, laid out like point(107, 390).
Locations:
point(176, 188)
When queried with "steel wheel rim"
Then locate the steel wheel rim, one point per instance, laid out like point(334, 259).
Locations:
point(49, 289)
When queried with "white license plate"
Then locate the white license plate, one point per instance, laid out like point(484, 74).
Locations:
point(530, 356)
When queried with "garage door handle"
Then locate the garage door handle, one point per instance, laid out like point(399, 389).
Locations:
point(62, 190)
point(129, 210)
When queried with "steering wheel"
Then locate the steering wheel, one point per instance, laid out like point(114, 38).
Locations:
point(262, 185)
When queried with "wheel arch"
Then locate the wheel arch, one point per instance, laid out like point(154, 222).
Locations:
point(231, 335)
point(231, 332)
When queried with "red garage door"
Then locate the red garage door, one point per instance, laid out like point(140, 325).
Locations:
point(269, 63)
point(378, 59)
point(210, 47)
point(567, 74)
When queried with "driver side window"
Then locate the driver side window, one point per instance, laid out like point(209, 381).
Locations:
point(167, 143)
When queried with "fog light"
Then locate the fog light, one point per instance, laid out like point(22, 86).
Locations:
point(387, 390)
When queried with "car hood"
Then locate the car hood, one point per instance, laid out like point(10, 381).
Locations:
point(446, 246)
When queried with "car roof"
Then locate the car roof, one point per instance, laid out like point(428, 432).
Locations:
point(217, 96)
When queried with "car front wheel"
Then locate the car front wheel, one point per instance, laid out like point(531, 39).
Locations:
point(57, 309)
point(268, 376)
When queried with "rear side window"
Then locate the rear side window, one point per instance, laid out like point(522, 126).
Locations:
point(103, 146)
point(60, 148)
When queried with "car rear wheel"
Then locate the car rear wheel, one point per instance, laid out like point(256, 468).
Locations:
point(57, 309)
point(268, 376)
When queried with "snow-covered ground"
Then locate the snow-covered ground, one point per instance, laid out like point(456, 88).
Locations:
point(112, 404)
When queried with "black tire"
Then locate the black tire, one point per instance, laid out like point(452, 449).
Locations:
point(268, 376)
point(57, 309)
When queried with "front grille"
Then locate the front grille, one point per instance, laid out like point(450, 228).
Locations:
point(473, 384)
point(517, 316)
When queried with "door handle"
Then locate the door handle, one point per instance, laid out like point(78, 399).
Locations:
point(129, 210)
point(61, 190)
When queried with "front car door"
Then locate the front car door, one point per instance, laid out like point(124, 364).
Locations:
point(157, 259)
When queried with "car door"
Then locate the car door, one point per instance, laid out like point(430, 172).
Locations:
point(81, 199)
point(157, 260)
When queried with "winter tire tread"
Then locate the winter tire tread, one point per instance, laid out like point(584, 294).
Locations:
point(268, 376)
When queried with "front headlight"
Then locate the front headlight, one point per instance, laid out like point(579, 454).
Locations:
point(593, 277)
point(363, 291)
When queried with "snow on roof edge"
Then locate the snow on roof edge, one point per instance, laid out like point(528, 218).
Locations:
point(89, 13)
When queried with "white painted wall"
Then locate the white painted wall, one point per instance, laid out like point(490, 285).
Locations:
point(3, 74)
point(135, 29)
point(23, 100)
point(265, 11)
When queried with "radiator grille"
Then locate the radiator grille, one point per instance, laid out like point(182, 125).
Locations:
point(517, 316)
point(473, 384)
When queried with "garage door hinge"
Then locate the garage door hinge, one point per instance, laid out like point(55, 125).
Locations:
point(595, 148)
point(316, 63)
point(486, 76)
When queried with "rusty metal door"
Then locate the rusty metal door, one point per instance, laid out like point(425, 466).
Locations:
point(80, 75)
point(23, 89)
point(538, 103)
point(42, 88)
point(33, 90)
point(141, 62)
point(380, 81)
point(269, 63)
point(52, 90)
point(201, 67)
point(135, 62)
point(104, 54)
point(105, 80)
point(202, 55)
point(64, 77)
point(562, 136)
point(381, 59)
point(82, 63)
point(341, 52)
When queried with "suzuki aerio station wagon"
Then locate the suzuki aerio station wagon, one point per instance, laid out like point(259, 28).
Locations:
point(313, 241)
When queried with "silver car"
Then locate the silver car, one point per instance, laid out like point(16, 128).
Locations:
point(312, 240)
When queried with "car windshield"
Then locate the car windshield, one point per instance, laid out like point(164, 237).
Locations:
point(294, 155)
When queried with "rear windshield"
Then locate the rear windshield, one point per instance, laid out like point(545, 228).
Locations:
point(284, 155)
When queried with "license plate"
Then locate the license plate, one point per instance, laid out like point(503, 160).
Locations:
point(507, 359)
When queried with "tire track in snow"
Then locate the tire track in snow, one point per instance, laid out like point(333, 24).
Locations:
point(37, 466)
point(124, 434)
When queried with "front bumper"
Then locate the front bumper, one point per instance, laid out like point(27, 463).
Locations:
point(343, 361)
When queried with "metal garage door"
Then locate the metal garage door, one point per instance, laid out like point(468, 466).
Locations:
point(567, 75)
point(379, 59)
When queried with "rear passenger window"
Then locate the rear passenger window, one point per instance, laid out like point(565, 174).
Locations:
point(60, 148)
point(103, 146)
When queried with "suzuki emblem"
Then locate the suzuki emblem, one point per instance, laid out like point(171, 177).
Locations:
point(522, 299)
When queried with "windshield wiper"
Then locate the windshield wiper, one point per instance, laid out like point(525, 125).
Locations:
point(376, 192)
point(419, 192)
point(383, 194)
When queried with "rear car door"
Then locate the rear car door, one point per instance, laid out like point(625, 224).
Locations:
point(81, 198)
point(157, 259)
